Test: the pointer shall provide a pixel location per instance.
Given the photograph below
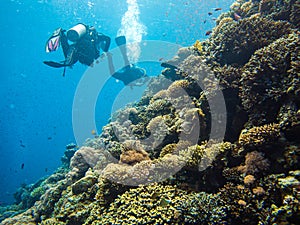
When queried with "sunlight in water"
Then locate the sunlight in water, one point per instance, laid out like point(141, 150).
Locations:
point(133, 30)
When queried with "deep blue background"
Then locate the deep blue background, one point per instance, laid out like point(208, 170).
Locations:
point(36, 101)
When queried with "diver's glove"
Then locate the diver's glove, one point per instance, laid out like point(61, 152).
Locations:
point(58, 32)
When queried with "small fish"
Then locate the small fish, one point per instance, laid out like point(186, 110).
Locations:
point(160, 59)
point(23, 146)
point(46, 170)
point(22, 166)
point(164, 202)
point(236, 17)
point(208, 32)
point(218, 9)
point(209, 13)
point(49, 138)
point(204, 21)
point(93, 132)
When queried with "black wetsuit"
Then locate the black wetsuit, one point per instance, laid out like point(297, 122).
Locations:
point(86, 49)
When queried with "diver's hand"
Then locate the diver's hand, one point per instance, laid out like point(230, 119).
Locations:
point(105, 54)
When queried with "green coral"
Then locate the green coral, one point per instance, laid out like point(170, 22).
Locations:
point(234, 42)
point(200, 157)
point(37, 192)
point(268, 78)
point(158, 204)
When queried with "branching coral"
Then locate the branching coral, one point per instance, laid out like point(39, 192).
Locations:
point(200, 157)
point(235, 42)
point(259, 136)
point(157, 204)
point(268, 77)
point(243, 206)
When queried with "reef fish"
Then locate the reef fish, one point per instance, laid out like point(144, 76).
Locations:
point(208, 32)
point(236, 16)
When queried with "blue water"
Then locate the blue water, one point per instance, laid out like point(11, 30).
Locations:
point(36, 104)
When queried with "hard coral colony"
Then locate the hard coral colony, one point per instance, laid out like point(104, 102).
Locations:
point(252, 176)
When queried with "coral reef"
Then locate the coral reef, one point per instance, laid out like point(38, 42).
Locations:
point(158, 161)
point(157, 204)
point(268, 79)
point(234, 42)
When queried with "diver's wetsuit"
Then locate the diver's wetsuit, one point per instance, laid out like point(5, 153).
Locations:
point(86, 49)
point(129, 74)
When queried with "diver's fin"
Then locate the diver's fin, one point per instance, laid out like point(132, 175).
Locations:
point(120, 40)
point(53, 42)
point(168, 65)
point(54, 64)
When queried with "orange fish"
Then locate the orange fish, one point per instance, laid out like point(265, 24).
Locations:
point(93, 132)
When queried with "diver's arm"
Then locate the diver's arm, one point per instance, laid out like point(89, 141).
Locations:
point(64, 43)
point(106, 39)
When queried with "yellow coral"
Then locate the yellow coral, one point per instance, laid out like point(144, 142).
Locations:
point(246, 7)
point(178, 85)
point(198, 46)
point(201, 156)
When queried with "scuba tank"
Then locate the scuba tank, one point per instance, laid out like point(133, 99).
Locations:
point(76, 32)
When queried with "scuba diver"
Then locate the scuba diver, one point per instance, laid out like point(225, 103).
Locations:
point(131, 75)
point(85, 48)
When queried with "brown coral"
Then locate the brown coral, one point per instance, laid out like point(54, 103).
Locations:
point(259, 136)
point(132, 157)
point(254, 163)
point(266, 5)
point(249, 179)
